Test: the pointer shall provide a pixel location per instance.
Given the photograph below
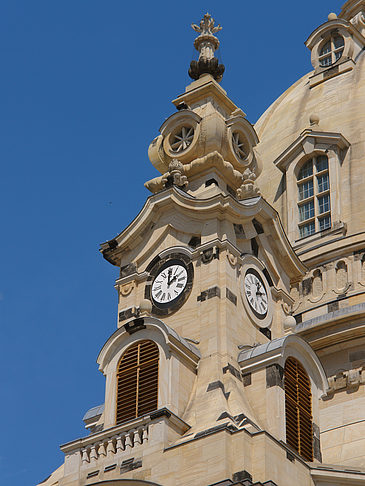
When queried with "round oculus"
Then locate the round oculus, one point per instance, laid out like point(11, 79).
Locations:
point(169, 283)
point(256, 293)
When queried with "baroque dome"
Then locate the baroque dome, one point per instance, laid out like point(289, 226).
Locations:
point(334, 105)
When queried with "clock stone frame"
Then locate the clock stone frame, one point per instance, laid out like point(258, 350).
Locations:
point(154, 268)
point(254, 265)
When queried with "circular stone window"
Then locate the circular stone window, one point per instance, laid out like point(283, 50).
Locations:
point(181, 139)
point(331, 51)
point(240, 146)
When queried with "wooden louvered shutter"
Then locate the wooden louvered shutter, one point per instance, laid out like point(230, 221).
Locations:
point(298, 409)
point(137, 381)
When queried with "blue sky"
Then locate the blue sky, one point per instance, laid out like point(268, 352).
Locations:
point(85, 85)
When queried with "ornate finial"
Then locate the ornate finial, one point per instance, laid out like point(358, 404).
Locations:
point(206, 25)
point(206, 43)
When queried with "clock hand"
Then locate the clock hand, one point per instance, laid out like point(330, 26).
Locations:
point(169, 276)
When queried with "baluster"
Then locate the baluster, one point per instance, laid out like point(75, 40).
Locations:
point(93, 453)
point(84, 456)
point(137, 438)
point(120, 445)
point(144, 435)
point(102, 451)
point(128, 440)
point(110, 450)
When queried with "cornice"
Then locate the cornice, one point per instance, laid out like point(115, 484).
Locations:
point(330, 25)
point(203, 88)
point(219, 206)
point(314, 137)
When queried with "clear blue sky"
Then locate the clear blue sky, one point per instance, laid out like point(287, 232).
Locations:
point(85, 85)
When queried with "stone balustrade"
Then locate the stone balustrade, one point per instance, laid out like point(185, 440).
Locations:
point(115, 444)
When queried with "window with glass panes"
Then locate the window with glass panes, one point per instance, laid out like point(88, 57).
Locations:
point(331, 51)
point(314, 202)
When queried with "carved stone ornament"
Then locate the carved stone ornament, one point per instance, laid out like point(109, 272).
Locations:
point(232, 259)
point(175, 177)
point(346, 380)
point(206, 43)
point(126, 289)
point(248, 188)
point(359, 21)
point(212, 160)
point(209, 254)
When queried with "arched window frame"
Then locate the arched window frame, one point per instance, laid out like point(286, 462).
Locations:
point(177, 357)
point(353, 43)
point(310, 144)
point(298, 408)
point(255, 361)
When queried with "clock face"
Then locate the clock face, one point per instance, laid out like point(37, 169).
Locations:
point(169, 283)
point(256, 293)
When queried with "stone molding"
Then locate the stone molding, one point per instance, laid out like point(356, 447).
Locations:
point(307, 142)
point(174, 342)
point(277, 351)
point(199, 166)
point(217, 207)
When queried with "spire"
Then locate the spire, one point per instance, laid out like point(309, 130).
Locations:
point(206, 44)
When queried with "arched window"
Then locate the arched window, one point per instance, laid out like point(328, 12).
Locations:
point(137, 381)
point(298, 409)
point(331, 51)
point(314, 203)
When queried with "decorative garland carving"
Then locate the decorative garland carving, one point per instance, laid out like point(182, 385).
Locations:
point(212, 160)
point(346, 380)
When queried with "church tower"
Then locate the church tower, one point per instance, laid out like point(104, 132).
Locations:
point(208, 381)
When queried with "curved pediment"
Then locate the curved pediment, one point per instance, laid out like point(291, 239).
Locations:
point(142, 326)
point(277, 351)
point(184, 213)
